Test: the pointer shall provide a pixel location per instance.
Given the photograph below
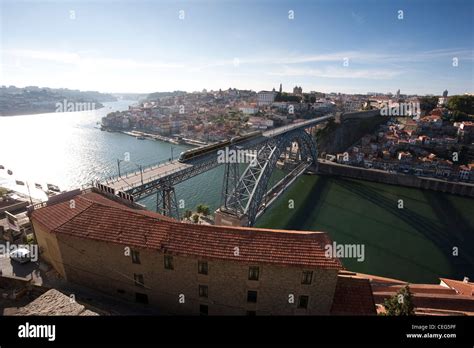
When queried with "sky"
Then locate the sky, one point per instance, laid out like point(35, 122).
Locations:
point(347, 46)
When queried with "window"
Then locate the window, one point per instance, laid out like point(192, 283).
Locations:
point(139, 280)
point(135, 256)
point(203, 290)
point(252, 296)
point(251, 313)
point(303, 301)
point(141, 298)
point(169, 262)
point(253, 273)
point(203, 309)
point(202, 267)
point(307, 277)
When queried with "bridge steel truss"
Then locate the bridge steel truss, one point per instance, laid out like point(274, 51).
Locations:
point(166, 203)
point(244, 196)
point(241, 193)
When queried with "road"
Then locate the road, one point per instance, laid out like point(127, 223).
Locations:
point(125, 183)
point(28, 271)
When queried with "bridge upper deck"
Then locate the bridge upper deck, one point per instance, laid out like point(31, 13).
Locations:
point(130, 181)
point(284, 129)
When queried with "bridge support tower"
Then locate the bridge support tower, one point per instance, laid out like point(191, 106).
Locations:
point(166, 203)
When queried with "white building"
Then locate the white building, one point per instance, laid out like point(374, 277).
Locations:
point(265, 97)
point(248, 110)
point(260, 123)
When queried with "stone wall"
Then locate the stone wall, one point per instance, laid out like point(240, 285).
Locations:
point(458, 188)
point(49, 249)
point(105, 267)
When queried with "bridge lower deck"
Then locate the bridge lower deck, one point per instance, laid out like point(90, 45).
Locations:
point(125, 183)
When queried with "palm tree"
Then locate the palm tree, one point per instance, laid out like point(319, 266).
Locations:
point(199, 208)
point(205, 210)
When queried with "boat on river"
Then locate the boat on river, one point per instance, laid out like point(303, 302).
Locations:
point(53, 189)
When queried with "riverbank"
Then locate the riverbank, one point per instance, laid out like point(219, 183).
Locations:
point(376, 175)
point(15, 101)
point(145, 135)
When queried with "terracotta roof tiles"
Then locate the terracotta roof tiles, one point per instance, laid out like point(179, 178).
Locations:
point(463, 288)
point(353, 296)
point(99, 218)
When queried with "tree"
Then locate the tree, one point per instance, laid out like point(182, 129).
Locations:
point(3, 191)
point(400, 304)
point(462, 103)
point(457, 116)
point(205, 210)
point(428, 103)
point(199, 208)
point(188, 214)
point(285, 97)
point(195, 218)
point(308, 98)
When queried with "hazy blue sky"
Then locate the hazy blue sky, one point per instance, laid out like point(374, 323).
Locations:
point(144, 46)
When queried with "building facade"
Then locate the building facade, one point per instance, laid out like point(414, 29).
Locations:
point(182, 268)
point(265, 97)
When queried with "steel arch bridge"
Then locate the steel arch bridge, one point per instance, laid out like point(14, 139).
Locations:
point(243, 196)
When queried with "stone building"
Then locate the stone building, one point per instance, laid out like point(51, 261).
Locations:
point(182, 268)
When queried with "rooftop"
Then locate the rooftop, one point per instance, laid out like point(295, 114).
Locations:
point(461, 287)
point(97, 217)
point(353, 296)
point(51, 302)
point(451, 297)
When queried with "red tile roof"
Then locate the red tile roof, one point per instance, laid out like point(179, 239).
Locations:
point(376, 280)
point(415, 289)
point(353, 296)
point(99, 218)
point(427, 298)
point(434, 301)
point(463, 288)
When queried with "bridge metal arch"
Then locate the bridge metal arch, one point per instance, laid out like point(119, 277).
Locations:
point(248, 192)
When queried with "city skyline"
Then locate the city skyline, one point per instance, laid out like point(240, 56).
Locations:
point(341, 46)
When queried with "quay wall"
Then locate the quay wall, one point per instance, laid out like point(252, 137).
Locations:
point(457, 188)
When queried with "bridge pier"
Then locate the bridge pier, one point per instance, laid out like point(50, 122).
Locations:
point(230, 182)
point(223, 218)
point(244, 199)
point(166, 203)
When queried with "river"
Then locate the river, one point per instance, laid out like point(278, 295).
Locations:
point(414, 243)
